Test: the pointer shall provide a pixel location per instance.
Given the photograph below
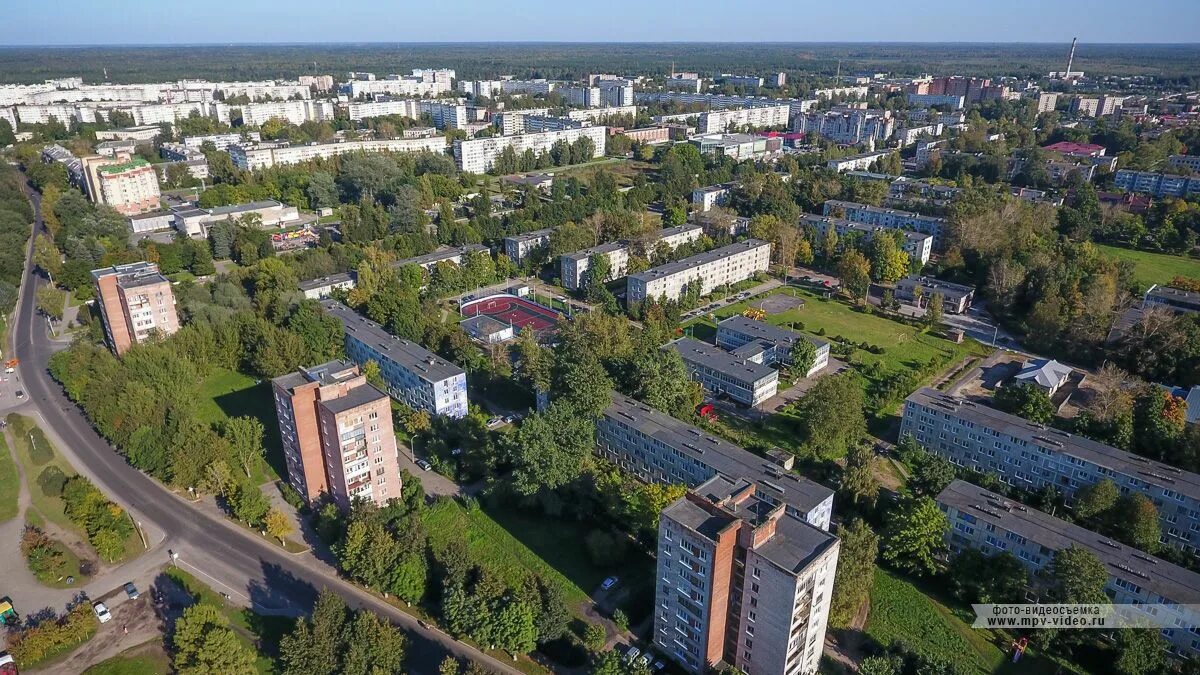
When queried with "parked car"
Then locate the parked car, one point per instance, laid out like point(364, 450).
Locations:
point(425, 466)
point(495, 422)
point(658, 665)
point(609, 583)
point(20, 393)
point(645, 659)
point(632, 653)
point(102, 612)
point(131, 591)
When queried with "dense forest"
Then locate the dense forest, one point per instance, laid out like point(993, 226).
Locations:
point(562, 60)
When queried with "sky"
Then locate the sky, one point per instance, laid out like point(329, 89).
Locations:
point(91, 22)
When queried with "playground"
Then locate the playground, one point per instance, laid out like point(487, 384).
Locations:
point(510, 309)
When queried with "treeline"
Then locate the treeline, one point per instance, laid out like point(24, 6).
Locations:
point(16, 217)
point(52, 635)
point(253, 320)
point(337, 639)
point(562, 153)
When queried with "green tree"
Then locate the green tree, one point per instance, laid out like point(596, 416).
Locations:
point(375, 646)
point(855, 273)
point(930, 473)
point(245, 436)
point(855, 571)
point(1135, 521)
point(1142, 651)
point(881, 665)
point(1076, 576)
point(204, 643)
point(514, 630)
point(322, 191)
point(50, 301)
point(277, 525)
point(889, 262)
point(249, 504)
point(831, 417)
point(550, 449)
point(915, 536)
point(1095, 499)
point(858, 483)
point(1025, 400)
point(368, 553)
point(803, 355)
point(594, 637)
point(976, 577)
point(410, 578)
point(315, 645)
point(935, 310)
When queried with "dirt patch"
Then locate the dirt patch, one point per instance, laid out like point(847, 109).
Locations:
point(779, 303)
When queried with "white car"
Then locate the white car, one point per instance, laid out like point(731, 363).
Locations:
point(102, 612)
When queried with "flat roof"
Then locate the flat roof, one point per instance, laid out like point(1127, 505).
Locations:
point(1170, 581)
point(950, 288)
point(597, 250)
point(242, 208)
point(321, 282)
point(529, 236)
point(358, 396)
point(1061, 442)
point(1174, 295)
point(715, 358)
point(678, 229)
point(721, 456)
point(764, 331)
point(409, 355)
point(812, 219)
point(134, 163)
point(697, 260)
point(878, 209)
point(440, 255)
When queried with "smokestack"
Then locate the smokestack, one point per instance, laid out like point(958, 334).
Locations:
point(1070, 59)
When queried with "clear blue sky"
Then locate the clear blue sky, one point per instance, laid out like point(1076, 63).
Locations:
point(73, 22)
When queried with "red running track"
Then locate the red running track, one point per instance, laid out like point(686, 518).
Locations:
point(511, 309)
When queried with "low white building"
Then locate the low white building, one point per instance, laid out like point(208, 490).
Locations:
point(859, 162)
point(263, 155)
point(725, 265)
point(1045, 374)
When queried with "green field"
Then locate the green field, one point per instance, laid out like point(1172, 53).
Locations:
point(1154, 268)
point(227, 393)
point(516, 544)
point(899, 611)
point(10, 483)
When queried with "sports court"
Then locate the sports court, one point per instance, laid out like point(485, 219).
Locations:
point(513, 310)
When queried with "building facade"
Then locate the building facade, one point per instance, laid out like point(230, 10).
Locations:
point(130, 186)
point(917, 245)
point(412, 374)
point(518, 246)
point(726, 374)
point(1157, 184)
point(725, 265)
point(986, 521)
point(264, 155)
point(1032, 456)
point(956, 298)
point(891, 219)
point(136, 304)
point(478, 155)
point(337, 435)
point(770, 345)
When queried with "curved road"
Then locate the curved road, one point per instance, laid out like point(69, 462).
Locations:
point(233, 558)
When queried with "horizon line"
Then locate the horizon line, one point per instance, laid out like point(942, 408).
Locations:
point(135, 45)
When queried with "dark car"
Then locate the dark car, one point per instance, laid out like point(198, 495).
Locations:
point(131, 591)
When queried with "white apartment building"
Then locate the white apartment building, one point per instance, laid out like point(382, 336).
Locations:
point(518, 246)
point(573, 266)
point(761, 342)
point(531, 87)
point(321, 83)
point(749, 81)
point(293, 112)
point(1047, 101)
point(720, 121)
point(848, 126)
point(725, 265)
point(222, 141)
point(536, 124)
point(1157, 184)
point(986, 521)
point(422, 83)
point(263, 155)
point(888, 218)
point(722, 101)
point(616, 93)
point(130, 187)
point(846, 92)
point(907, 135)
point(705, 198)
point(599, 115)
point(485, 88)
point(478, 155)
point(859, 162)
point(1189, 162)
point(445, 112)
point(411, 374)
point(584, 97)
point(721, 373)
point(927, 100)
point(916, 244)
point(513, 121)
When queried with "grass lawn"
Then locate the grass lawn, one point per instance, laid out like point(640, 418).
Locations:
point(261, 633)
point(1154, 268)
point(35, 453)
point(228, 393)
point(10, 483)
point(901, 611)
point(519, 543)
point(146, 659)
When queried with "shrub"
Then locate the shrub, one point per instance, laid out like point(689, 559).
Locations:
point(39, 448)
point(52, 479)
point(51, 637)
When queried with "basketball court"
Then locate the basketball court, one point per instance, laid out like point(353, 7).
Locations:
point(510, 309)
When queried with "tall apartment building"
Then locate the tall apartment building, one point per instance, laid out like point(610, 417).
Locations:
point(319, 83)
point(1032, 456)
point(511, 122)
point(411, 374)
point(750, 81)
point(539, 86)
point(984, 520)
point(263, 155)
point(420, 84)
point(950, 100)
point(584, 97)
point(478, 155)
point(445, 113)
point(518, 246)
point(761, 342)
point(850, 126)
point(1157, 184)
point(722, 101)
point(486, 88)
point(888, 218)
point(1047, 101)
point(658, 448)
point(129, 186)
point(337, 434)
point(615, 93)
point(136, 304)
point(917, 245)
point(741, 581)
point(725, 265)
point(722, 373)
point(720, 121)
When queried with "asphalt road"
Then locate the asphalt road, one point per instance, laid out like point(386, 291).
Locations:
point(225, 556)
